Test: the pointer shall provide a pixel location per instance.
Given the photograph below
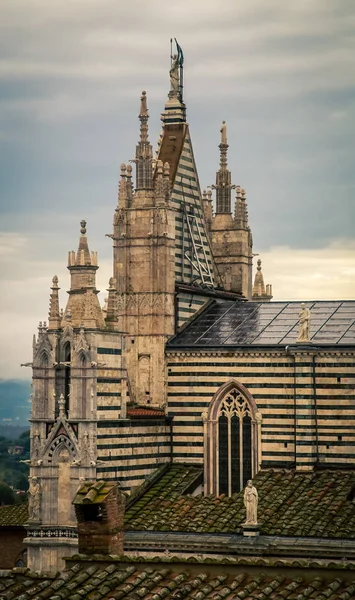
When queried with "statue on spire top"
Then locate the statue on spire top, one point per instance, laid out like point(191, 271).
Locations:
point(176, 72)
point(224, 133)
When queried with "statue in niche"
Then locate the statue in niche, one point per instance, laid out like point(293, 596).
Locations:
point(303, 323)
point(36, 446)
point(34, 504)
point(251, 503)
point(174, 73)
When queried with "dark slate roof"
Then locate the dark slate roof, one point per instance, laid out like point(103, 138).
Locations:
point(291, 503)
point(228, 323)
point(15, 515)
point(100, 581)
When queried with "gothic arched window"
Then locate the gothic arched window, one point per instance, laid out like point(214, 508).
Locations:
point(83, 376)
point(232, 440)
point(67, 376)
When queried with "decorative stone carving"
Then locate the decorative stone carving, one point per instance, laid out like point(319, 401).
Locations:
point(174, 74)
point(81, 343)
point(251, 503)
point(303, 323)
point(34, 506)
point(36, 446)
point(61, 405)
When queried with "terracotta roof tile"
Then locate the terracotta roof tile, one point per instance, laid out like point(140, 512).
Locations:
point(14, 515)
point(291, 503)
point(145, 412)
point(86, 579)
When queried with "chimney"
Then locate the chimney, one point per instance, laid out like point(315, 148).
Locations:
point(99, 508)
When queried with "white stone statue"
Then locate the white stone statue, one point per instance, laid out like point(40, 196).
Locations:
point(251, 503)
point(174, 74)
point(36, 446)
point(224, 133)
point(34, 505)
point(303, 323)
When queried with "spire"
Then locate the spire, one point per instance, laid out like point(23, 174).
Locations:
point(111, 312)
point(83, 305)
point(144, 150)
point(207, 207)
point(54, 318)
point(223, 185)
point(259, 291)
point(241, 209)
point(122, 188)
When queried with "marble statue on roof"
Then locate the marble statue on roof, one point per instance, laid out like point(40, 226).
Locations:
point(303, 323)
point(251, 503)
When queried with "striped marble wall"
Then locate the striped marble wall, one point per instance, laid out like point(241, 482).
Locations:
point(299, 423)
point(132, 449)
point(188, 305)
point(186, 190)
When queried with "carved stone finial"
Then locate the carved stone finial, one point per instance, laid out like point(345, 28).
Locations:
point(55, 281)
point(83, 227)
point(123, 168)
point(259, 265)
point(61, 405)
point(303, 324)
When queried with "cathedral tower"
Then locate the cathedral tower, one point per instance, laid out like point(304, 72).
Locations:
point(67, 380)
point(231, 237)
point(143, 252)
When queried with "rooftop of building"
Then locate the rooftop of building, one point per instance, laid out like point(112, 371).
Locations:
point(226, 323)
point(15, 515)
point(108, 578)
point(318, 504)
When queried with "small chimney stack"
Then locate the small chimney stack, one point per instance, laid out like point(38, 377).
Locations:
point(99, 508)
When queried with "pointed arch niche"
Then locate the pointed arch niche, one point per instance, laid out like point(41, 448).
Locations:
point(232, 440)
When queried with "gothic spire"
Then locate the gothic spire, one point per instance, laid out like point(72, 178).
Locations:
point(223, 185)
point(83, 306)
point(54, 318)
point(260, 293)
point(144, 150)
point(241, 209)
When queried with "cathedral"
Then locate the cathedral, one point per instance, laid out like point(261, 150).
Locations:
point(189, 361)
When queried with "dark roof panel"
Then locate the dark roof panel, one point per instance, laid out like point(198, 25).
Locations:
point(230, 323)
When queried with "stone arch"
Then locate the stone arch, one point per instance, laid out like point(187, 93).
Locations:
point(56, 447)
point(232, 439)
point(223, 391)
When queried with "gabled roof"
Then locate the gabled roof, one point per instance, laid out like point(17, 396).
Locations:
point(291, 503)
point(226, 323)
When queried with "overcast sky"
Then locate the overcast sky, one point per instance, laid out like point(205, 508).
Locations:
point(282, 74)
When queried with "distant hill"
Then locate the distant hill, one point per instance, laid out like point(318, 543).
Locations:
point(14, 403)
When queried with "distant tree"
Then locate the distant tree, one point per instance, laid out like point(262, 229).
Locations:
point(4, 444)
point(7, 495)
point(24, 440)
point(21, 482)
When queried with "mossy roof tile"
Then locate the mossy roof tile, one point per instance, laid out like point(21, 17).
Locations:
point(290, 503)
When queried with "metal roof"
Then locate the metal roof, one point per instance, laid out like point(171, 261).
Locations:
point(228, 323)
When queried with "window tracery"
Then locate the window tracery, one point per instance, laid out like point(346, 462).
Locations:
point(232, 430)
